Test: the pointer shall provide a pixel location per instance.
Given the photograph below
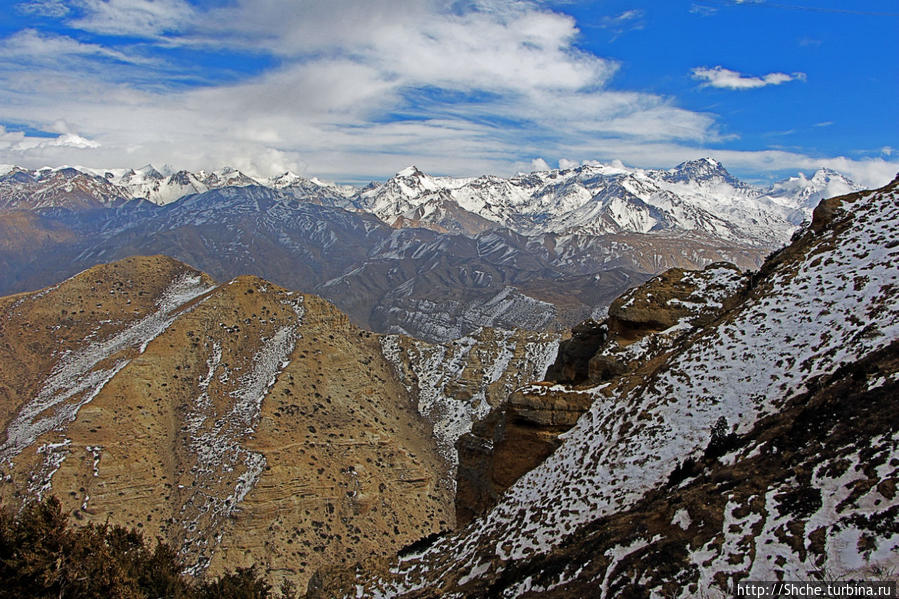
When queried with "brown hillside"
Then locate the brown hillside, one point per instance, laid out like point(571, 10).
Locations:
point(241, 423)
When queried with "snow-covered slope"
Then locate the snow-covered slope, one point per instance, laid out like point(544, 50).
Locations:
point(821, 314)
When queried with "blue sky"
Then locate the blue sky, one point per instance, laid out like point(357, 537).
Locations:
point(352, 91)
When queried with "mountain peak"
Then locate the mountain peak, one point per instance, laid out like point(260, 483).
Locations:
point(409, 171)
point(825, 175)
point(700, 170)
point(285, 179)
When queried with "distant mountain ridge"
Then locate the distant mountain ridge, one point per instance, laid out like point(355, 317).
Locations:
point(431, 257)
point(698, 196)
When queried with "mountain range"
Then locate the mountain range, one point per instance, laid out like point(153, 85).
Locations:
point(699, 195)
point(717, 425)
point(433, 257)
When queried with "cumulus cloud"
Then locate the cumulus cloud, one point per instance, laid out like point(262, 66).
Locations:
point(466, 88)
point(20, 144)
point(72, 140)
point(351, 91)
point(727, 79)
point(539, 164)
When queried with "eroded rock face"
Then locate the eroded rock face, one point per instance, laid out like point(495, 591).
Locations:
point(242, 423)
point(571, 364)
point(511, 441)
point(517, 436)
point(645, 320)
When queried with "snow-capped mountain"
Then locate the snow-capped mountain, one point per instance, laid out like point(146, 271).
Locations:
point(150, 184)
point(543, 250)
point(313, 190)
point(802, 194)
point(697, 196)
point(751, 445)
point(64, 187)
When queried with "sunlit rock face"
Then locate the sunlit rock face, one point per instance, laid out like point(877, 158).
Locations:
point(242, 423)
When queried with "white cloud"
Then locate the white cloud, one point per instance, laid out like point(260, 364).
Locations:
point(727, 79)
point(51, 49)
point(18, 144)
point(703, 10)
point(564, 163)
point(141, 18)
point(629, 20)
point(344, 70)
point(43, 8)
point(539, 164)
point(72, 140)
point(627, 16)
point(357, 91)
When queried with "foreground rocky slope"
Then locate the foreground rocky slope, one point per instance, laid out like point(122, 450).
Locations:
point(242, 423)
point(761, 444)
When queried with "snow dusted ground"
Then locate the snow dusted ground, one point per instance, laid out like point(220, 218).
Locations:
point(78, 377)
point(487, 366)
point(218, 445)
point(832, 304)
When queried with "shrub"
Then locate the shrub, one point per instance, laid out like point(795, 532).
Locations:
point(41, 556)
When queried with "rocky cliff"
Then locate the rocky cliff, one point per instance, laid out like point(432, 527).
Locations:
point(515, 437)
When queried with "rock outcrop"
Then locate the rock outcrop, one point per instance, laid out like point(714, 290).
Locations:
point(510, 442)
point(643, 323)
point(645, 320)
